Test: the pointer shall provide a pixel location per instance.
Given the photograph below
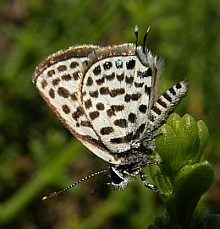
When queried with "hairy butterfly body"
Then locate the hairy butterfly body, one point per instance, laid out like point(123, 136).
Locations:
point(105, 96)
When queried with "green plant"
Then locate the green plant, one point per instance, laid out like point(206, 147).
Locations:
point(184, 177)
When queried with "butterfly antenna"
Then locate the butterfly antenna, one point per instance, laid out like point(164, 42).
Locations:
point(72, 185)
point(136, 34)
point(145, 39)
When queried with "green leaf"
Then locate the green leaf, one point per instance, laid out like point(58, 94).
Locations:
point(183, 178)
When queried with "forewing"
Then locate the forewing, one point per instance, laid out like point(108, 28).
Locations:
point(58, 80)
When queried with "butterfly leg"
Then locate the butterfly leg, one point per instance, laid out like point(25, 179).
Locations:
point(146, 184)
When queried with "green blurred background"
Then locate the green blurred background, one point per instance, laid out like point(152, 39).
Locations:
point(38, 155)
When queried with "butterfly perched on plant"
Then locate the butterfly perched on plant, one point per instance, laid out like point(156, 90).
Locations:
point(106, 97)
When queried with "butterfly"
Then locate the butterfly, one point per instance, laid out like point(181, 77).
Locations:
point(106, 97)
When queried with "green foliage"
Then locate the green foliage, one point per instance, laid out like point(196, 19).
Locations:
point(183, 178)
point(39, 156)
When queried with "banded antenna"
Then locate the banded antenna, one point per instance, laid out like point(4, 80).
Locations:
point(136, 34)
point(145, 39)
point(54, 194)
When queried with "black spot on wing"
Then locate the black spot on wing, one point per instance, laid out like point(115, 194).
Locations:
point(138, 85)
point(147, 90)
point(132, 117)
point(119, 64)
point(97, 71)
point(66, 77)
point(143, 108)
point(74, 64)
point(104, 90)
point(132, 97)
point(94, 114)
point(148, 72)
point(61, 68)
point(123, 123)
point(110, 77)
point(63, 92)
point(107, 65)
point(73, 97)
point(106, 130)
point(120, 77)
point(55, 82)
point(52, 93)
point(129, 80)
point(130, 64)
point(76, 75)
point(114, 108)
point(50, 73)
point(88, 104)
point(116, 92)
point(79, 112)
point(86, 123)
point(89, 81)
point(66, 109)
point(113, 92)
point(100, 106)
point(94, 94)
point(100, 81)
point(44, 83)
